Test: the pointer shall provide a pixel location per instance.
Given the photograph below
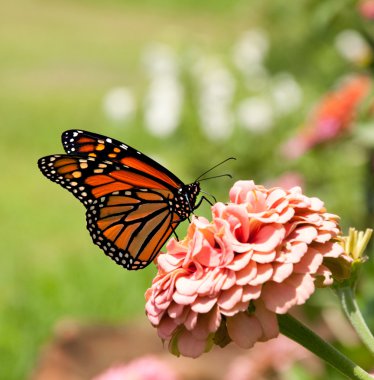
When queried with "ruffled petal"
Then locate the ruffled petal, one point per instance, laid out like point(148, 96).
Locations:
point(244, 330)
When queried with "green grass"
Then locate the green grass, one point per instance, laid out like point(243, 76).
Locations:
point(58, 58)
point(57, 61)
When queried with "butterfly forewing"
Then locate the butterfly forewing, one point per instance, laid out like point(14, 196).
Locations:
point(133, 203)
point(104, 148)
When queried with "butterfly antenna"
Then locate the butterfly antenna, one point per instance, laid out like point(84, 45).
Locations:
point(220, 163)
point(216, 176)
point(211, 195)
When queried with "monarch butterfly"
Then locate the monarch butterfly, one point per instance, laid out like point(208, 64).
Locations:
point(133, 203)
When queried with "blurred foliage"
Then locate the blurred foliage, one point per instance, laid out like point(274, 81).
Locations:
point(59, 58)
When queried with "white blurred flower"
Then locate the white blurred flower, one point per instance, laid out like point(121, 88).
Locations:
point(164, 99)
point(119, 104)
point(163, 105)
point(160, 59)
point(256, 78)
point(250, 49)
point(255, 114)
point(217, 122)
point(286, 93)
point(353, 47)
point(217, 84)
point(216, 88)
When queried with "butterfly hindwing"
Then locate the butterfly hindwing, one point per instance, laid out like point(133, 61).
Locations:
point(128, 229)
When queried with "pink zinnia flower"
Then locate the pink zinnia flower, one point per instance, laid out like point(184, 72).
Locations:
point(228, 278)
point(331, 119)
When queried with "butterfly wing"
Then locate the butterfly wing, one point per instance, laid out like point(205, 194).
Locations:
point(90, 144)
point(131, 227)
point(129, 213)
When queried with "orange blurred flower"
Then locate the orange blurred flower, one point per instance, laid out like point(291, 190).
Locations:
point(332, 118)
point(366, 9)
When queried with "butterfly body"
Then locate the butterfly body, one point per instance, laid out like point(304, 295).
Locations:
point(133, 203)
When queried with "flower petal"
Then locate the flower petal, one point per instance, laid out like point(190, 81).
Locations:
point(282, 271)
point(244, 330)
point(166, 328)
point(230, 297)
point(190, 346)
point(203, 304)
point(268, 321)
point(310, 262)
point(183, 299)
point(187, 286)
point(264, 273)
point(247, 274)
point(280, 297)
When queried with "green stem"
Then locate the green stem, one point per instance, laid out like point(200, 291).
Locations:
point(301, 334)
point(347, 299)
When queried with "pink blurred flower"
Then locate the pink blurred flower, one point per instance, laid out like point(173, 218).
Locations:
point(366, 9)
point(144, 368)
point(260, 255)
point(332, 118)
point(287, 181)
point(274, 357)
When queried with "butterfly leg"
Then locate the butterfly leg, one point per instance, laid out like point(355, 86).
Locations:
point(203, 198)
point(174, 230)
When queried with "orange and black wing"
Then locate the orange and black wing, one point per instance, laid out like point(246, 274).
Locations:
point(131, 226)
point(129, 213)
point(88, 144)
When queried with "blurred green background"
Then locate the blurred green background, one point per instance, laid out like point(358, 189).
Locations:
point(59, 62)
